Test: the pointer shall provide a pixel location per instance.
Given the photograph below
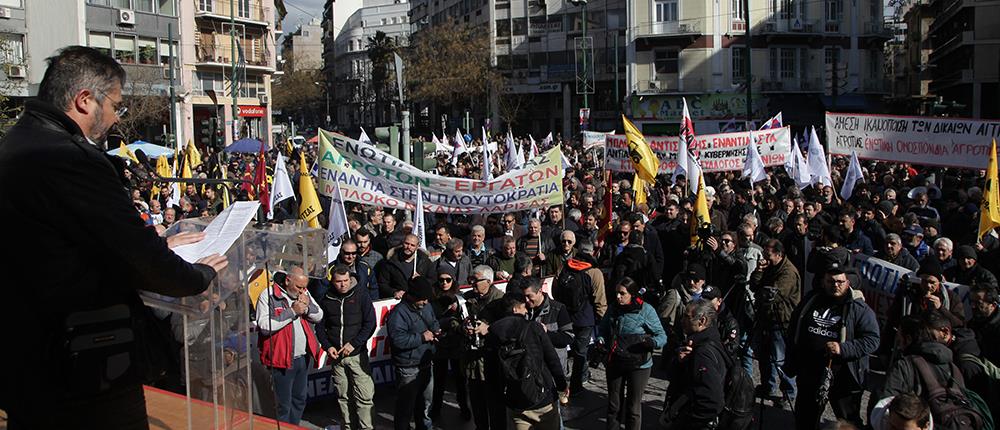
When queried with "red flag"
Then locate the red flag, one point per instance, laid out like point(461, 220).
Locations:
point(260, 179)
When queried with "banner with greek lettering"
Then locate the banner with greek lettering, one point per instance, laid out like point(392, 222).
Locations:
point(370, 176)
point(883, 281)
point(949, 142)
point(717, 152)
point(594, 138)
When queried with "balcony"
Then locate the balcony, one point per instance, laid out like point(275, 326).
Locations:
point(961, 39)
point(245, 12)
point(791, 85)
point(948, 11)
point(670, 29)
point(670, 86)
point(877, 29)
point(221, 55)
point(791, 26)
point(958, 77)
point(832, 26)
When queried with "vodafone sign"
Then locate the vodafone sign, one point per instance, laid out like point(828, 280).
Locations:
point(253, 111)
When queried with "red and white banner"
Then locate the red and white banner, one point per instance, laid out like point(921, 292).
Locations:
point(949, 142)
point(715, 152)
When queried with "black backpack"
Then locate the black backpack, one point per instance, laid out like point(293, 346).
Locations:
point(525, 378)
point(572, 289)
point(950, 405)
point(738, 386)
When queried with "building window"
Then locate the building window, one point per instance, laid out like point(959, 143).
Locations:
point(11, 48)
point(143, 5)
point(165, 54)
point(666, 10)
point(96, 2)
point(665, 62)
point(125, 49)
point(206, 6)
point(785, 63)
point(738, 8)
point(147, 51)
point(503, 28)
point(243, 8)
point(738, 55)
point(14, 3)
point(874, 64)
point(121, 4)
point(834, 10)
point(831, 56)
point(101, 42)
point(167, 7)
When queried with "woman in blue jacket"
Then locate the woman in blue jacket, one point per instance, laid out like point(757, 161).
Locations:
point(629, 333)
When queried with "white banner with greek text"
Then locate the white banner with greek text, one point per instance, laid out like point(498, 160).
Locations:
point(716, 152)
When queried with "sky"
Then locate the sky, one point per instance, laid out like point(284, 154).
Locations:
point(300, 12)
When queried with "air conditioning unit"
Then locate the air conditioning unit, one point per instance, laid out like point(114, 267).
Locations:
point(264, 99)
point(17, 72)
point(5, 12)
point(685, 28)
point(126, 17)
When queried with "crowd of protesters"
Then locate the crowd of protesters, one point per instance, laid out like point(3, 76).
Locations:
point(773, 279)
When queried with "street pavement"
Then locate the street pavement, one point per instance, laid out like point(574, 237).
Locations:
point(584, 412)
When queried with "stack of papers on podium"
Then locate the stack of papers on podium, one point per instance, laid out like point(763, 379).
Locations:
point(221, 233)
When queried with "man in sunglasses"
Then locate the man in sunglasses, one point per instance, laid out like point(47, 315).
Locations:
point(359, 270)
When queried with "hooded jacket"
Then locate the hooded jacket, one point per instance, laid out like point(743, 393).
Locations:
point(988, 332)
point(903, 376)
point(640, 320)
point(583, 317)
point(859, 337)
point(700, 383)
point(538, 349)
point(785, 280)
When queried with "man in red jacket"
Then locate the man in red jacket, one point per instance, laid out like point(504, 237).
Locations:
point(288, 345)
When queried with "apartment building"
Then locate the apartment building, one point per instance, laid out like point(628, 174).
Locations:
point(806, 57)
point(304, 46)
point(208, 58)
point(353, 93)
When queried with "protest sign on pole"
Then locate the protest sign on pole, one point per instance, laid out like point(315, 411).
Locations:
point(716, 152)
point(370, 176)
point(948, 142)
point(883, 281)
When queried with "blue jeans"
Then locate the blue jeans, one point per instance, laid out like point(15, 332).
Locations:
point(414, 388)
point(290, 389)
point(578, 350)
point(770, 345)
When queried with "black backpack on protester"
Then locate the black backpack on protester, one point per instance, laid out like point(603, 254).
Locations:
point(573, 289)
point(525, 378)
point(953, 406)
point(737, 414)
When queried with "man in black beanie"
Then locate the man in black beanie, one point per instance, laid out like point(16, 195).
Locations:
point(413, 331)
point(966, 271)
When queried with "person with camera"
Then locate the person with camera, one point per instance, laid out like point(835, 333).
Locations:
point(550, 314)
point(626, 339)
point(685, 288)
point(449, 309)
point(833, 328)
point(348, 323)
point(922, 293)
point(777, 287)
point(966, 271)
point(986, 320)
point(286, 313)
point(483, 305)
point(412, 332)
point(695, 398)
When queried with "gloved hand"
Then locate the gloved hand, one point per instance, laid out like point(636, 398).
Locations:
point(648, 343)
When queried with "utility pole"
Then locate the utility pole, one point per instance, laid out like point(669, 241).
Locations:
point(749, 70)
point(232, 61)
point(586, 71)
point(173, 93)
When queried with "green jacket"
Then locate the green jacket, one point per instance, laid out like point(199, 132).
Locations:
point(776, 311)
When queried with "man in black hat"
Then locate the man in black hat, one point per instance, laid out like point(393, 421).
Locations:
point(832, 329)
point(412, 333)
point(685, 288)
point(967, 272)
point(729, 328)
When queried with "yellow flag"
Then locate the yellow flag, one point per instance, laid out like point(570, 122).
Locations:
point(989, 212)
point(185, 168)
point(701, 215)
point(259, 280)
point(192, 154)
point(309, 208)
point(640, 189)
point(223, 189)
point(163, 167)
point(126, 153)
point(643, 159)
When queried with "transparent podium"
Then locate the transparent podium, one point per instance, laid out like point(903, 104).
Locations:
point(214, 331)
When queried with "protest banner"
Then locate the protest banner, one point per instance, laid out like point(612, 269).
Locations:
point(379, 353)
point(593, 139)
point(948, 142)
point(370, 176)
point(884, 279)
point(716, 152)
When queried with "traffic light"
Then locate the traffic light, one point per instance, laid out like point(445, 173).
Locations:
point(424, 156)
point(205, 132)
point(390, 135)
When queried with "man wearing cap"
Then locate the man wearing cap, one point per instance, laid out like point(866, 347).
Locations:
point(967, 272)
point(685, 288)
point(484, 306)
point(834, 328)
point(923, 293)
point(895, 253)
point(729, 328)
point(913, 238)
point(412, 330)
point(651, 243)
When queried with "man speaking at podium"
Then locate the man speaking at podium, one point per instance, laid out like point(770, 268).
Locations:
point(78, 343)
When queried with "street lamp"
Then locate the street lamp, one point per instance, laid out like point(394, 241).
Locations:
point(586, 73)
point(326, 95)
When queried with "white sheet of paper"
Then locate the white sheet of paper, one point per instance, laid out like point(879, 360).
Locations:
point(221, 233)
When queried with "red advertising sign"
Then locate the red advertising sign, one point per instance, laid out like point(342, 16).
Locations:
point(253, 111)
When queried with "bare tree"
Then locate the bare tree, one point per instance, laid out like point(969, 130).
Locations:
point(512, 105)
point(11, 55)
point(449, 63)
point(145, 96)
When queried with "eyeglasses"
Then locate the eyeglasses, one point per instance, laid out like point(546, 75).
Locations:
point(349, 253)
point(475, 280)
point(120, 110)
point(443, 280)
point(567, 241)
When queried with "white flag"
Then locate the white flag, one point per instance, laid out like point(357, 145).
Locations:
point(547, 142)
point(534, 148)
point(512, 153)
point(819, 172)
point(686, 165)
point(774, 122)
point(566, 164)
point(853, 176)
point(796, 166)
point(364, 137)
point(338, 224)
point(487, 165)
point(753, 166)
point(459, 148)
point(282, 187)
point(418, 220)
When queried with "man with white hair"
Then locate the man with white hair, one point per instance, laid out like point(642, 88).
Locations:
point(895, 253)
point(482, 303)
point(718, 218)
point(476, 247)
point(943, 248)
